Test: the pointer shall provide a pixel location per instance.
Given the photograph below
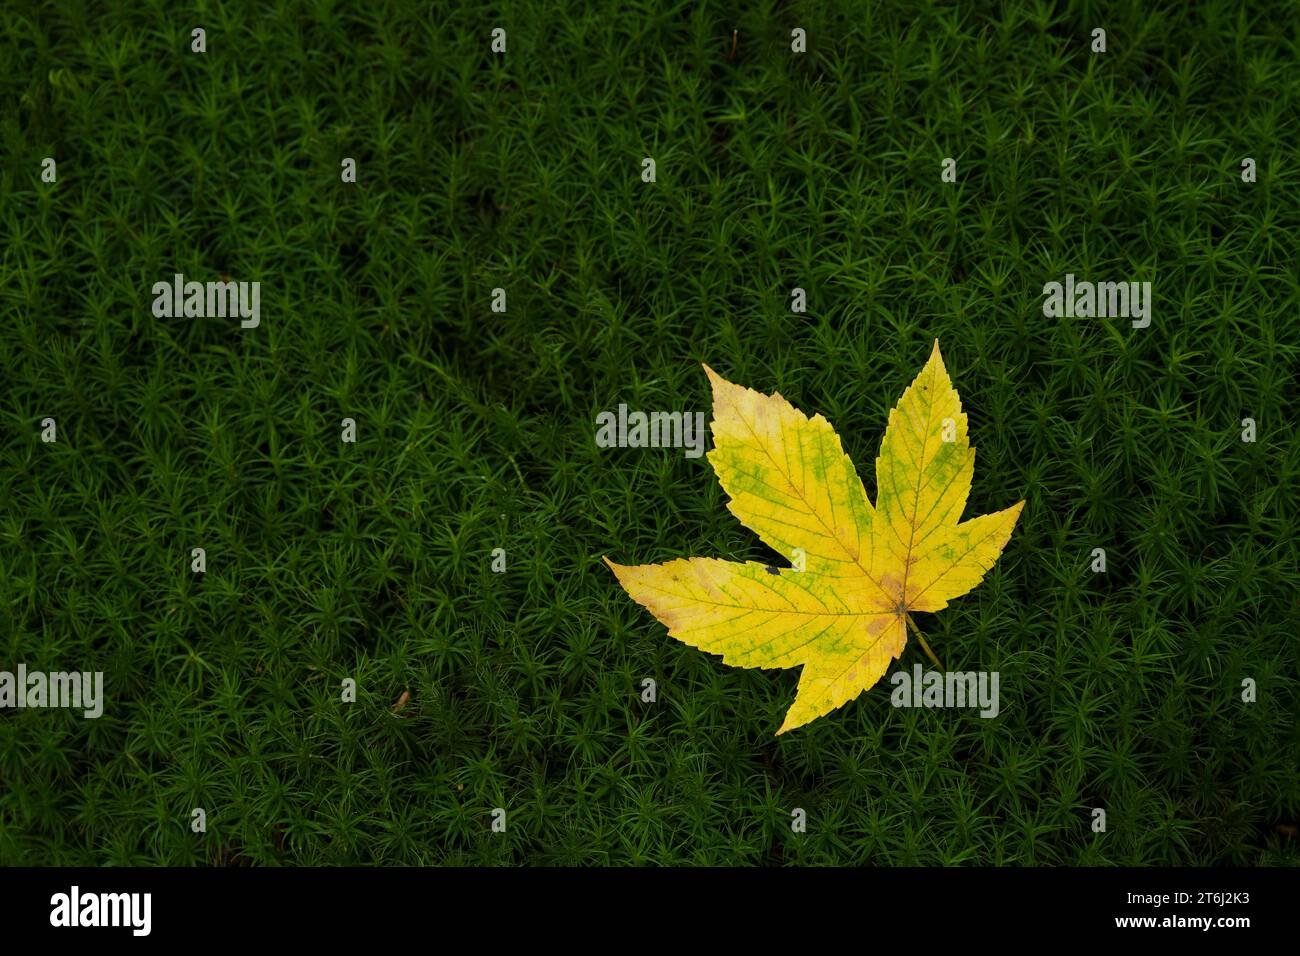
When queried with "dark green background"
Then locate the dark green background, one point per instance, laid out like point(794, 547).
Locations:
point(476, 430)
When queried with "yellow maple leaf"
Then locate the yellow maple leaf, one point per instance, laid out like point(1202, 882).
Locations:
point(845, 615)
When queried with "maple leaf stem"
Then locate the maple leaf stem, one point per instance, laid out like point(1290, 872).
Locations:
point(921, 637)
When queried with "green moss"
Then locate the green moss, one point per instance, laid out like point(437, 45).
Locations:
point(475, 430)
